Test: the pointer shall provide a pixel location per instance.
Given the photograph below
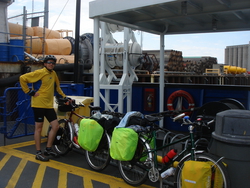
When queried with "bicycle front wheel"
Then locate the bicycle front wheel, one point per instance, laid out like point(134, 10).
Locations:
point(100, 158)
point(63, 147)
point(217, 166)
point(135, 172)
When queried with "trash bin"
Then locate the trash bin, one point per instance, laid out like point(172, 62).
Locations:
point(231, 139)
point(84, 111)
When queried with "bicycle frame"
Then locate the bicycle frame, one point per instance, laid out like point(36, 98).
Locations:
point(188, 149)
point(74, 113)
point(70, 122)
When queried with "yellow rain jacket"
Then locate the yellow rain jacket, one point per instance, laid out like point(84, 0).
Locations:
point(45, 83)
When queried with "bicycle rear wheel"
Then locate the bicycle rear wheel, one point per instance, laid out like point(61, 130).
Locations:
point(100, 158)
point(216, 164)
point(135, 172)
point(64, 146)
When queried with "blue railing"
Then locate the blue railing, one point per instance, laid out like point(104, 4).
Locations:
point(16, 115)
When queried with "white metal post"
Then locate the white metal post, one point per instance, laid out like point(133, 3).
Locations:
point(96, 62)
point(248, 57)
point(162, 85)
point(102, 67)
point(4, 38)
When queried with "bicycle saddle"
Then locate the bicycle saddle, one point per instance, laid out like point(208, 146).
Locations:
point(152, 118)
point(94, 107)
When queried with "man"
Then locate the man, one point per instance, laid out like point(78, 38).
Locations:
point(44, 84)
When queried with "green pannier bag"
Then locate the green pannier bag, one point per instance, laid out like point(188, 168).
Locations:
point(196, 174)
point(89, 135)
point(123, 144)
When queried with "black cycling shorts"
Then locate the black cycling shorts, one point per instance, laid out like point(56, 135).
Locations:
point(40, 113)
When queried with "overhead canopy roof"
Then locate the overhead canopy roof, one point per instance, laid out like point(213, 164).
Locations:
point(174, 16)
point(7, 1)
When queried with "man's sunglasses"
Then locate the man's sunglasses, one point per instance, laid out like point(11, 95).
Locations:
point(51, 62)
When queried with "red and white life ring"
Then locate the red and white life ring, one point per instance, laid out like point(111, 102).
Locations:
point(180, 93)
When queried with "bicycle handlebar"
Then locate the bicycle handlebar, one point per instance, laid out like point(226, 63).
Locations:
point(178, 116)
point(170, 113)
point(199, 121)
point(68, 101)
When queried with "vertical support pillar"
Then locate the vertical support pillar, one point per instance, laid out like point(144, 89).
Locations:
point(24, 24)
point(120, 99)
point(128, 84)
point(4, 38)
point(248, 57)
point(46, 14)
point(77, 34)
point(235, 58)
point(102, 75)
point(102, 64)
point(125, 79)
point(125, 50)
point(226, 60)
point(96, 62)
point(245, 57)
point(230, 56)
point(240, 55)
point(129, 99)
point(162, 84)
point(107, 98)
